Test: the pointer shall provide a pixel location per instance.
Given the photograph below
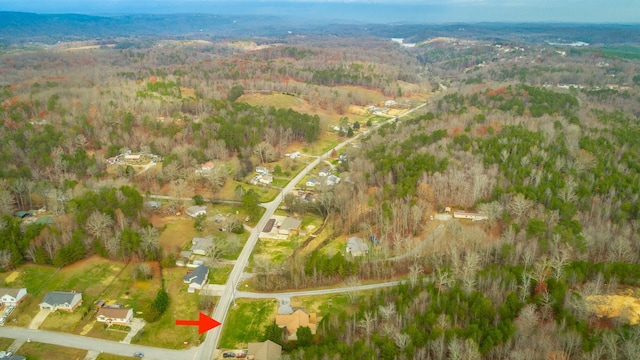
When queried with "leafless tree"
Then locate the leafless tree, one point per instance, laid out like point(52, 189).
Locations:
point(367, 323)
point(402, 340)
point(179, 188)
point(519, 205)
point(149, 239)
point(7, 203)
point(350, 282)
point(98, 224)
point(387, 312)
point(414, 273)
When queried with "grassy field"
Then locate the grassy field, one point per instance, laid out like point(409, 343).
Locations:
point(326, 142)
point(276, 100)
point(277, 251)
point(219, 274)
point(246, 322)
point(177, 231)
point(228, 191)
point(40, 351)
point(164, 332)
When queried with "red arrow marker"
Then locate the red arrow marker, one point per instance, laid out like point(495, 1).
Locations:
point(204, 323)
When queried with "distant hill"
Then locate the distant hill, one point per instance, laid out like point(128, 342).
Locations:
point(16, 27)
point(20, 27)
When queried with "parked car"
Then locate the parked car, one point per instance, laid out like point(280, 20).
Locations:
point(9, 310)
point(138, 355)
point(229, 355)
point(3, 319)
point(241, 355)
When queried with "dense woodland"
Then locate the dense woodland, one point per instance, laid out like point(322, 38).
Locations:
point(544, 140)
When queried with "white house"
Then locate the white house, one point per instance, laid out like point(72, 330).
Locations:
point(295, 155)
point(195, 211)
point(61, 300)
point(332, 180)
point(266, 179)
point(197, 278)
point(262, 170)
point(357, 247)
point(12, 296)
point(115, 316)
point(311, 182)
point(469, 215)
point(324, 172)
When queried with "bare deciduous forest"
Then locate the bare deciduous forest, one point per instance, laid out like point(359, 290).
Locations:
point(542, 140)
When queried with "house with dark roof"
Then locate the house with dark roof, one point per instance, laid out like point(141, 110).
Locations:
point(267, 350)
point(8, 355)
point(197, 278)
point(12, 296)
point(115, 316)
point(269, 225)
point(61, 300)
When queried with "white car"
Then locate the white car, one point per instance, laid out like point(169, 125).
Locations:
point(9, 310)
point(2, 320)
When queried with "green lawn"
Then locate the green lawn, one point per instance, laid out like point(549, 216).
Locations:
point(277, 251)
point(32, 277)
point(246, 322)
point(219, 274)
point(182, 305)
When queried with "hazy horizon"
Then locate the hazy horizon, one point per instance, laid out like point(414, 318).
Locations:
point(410, 11)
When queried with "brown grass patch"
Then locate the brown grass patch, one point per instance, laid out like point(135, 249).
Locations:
point(12, 277)
point(35, 351)
point(177, 232)
point(186, 92)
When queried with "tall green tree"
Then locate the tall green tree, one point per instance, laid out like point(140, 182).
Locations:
point(274, 333)
point(304, 335)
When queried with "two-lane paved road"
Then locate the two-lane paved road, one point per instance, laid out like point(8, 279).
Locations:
point(207, 350)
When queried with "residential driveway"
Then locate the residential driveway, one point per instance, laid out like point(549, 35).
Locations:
point(39, 319)
point(136, 325)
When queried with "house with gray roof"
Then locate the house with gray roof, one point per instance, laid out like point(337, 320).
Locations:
point(12, 296)
point(8, 355)
point(201, 245)
point(289, 225)
point(61, 300)
point(197, 278)
point(357, 247)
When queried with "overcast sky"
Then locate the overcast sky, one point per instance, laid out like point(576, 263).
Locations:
point(427, 11)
